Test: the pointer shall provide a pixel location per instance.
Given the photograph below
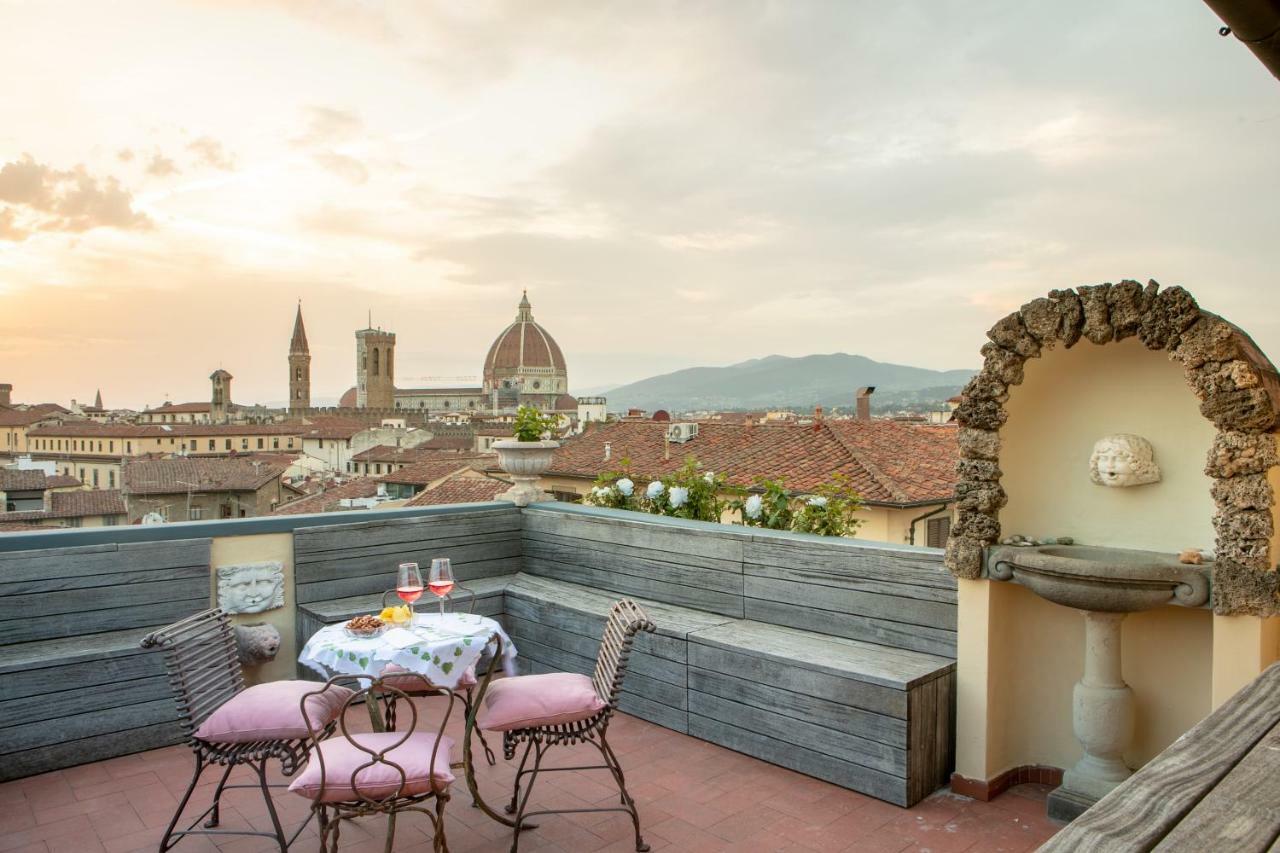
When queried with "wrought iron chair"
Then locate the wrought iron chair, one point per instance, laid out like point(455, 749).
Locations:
point(413, 684)
point(626, 619)
point(357, 774)
point(204, 672)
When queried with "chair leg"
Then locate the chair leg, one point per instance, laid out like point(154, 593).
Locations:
point(468, 699)
point(524, 801)
point(440, 843)
point(215, 815)
point(515, 787)
point(391, 833)
point(261, 769)
point(182, 804)
point(615, 767)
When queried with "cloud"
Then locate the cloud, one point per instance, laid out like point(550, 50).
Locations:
point(326, 125)
point(347, 168)
point(9, 229)
point(124, 155)
point(47, 199)
point(210, 152)
point(161, 166)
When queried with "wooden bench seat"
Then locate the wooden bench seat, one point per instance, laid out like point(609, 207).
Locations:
point(74, 684)
point(1215, 788)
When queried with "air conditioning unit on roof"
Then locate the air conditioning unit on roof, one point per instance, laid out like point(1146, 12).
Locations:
point(682, 432)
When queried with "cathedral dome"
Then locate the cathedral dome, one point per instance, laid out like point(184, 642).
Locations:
point(523, 344)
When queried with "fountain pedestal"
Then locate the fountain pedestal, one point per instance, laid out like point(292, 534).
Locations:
point(1102, 717)
point(1106, 584)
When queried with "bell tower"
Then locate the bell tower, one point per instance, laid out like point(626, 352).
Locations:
point(375, 368)
point(299, 366)
point(220, 398)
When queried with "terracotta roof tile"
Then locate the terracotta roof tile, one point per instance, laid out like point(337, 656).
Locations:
point(419, 453)
point(16, 480)
point(425, 473)
point(461, 490)
point(329, 499)
point(84, 502)
point(887, 462)
point(200, 474)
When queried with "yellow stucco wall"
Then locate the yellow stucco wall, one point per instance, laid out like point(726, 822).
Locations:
point(1019, 655)
point(229, 550)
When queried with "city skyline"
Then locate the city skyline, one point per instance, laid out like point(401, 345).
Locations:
point(676, 187)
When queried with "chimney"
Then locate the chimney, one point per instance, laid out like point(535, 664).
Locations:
point(864, 402)
point(817, 418)
point(608, 450)
point(6, 391)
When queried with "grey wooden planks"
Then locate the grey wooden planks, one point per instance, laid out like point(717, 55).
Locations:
point(1149, 805)
point(88, 749)
point(881, 632)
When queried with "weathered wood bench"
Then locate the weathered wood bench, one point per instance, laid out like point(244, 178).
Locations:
point(1215, 788)
point(341, 570)
point(74, 685)
point(832, 657)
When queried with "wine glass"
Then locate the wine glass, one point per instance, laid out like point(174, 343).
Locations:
point(409, 585)
point(441, 580)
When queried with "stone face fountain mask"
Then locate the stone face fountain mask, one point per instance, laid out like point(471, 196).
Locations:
point(1123, 460)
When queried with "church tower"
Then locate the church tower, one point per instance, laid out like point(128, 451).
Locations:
point(299, 366)
point(220, 400)
point(375, 369)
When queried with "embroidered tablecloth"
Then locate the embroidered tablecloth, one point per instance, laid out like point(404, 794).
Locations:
point(437, 646)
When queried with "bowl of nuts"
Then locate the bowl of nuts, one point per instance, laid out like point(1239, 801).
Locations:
point(365, 627)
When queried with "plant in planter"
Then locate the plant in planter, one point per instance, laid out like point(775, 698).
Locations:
point(528, 455)
point(831, 510)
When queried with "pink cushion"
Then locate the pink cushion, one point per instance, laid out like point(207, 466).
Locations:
point(375, 780)
point(410, 681)
point(538, 700)
point(273, 711)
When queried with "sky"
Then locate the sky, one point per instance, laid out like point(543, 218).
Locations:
point(676, 184)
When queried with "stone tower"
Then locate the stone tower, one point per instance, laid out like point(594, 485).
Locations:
point(375, 369)
point(299, 366)
point(220, 401)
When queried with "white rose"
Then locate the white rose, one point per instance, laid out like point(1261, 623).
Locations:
point(709, 477)
point(655, 490)
point(753, 506)
point(625, 486)
point(817, 500)
point(679, 496)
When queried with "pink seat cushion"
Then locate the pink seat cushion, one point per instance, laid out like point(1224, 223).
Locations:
point(538, 700)
point(375, 780)
point(409, 681)
point(273, 711)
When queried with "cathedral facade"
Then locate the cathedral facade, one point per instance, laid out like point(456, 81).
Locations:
point(523, 367)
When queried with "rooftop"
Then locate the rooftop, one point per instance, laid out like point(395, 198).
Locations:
point(887, 462)
point(460, 490)
point(178, 475)
point(329, 499)
point(429, 471)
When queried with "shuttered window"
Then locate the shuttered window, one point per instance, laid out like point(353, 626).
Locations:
point(936, 532)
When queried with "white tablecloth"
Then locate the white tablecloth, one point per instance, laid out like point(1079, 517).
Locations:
point(437, 646)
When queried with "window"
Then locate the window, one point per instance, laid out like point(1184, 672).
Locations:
point(111, 479)
point(82, 475)
point(95, 478)
point(213, 445)
point(375, 361)
point(259, 444)
point(244, 444)
point(275, 444)
point(320, 443)
point(227, 444)
point(110, 520)
point(112, 447)
point(290, 442)
point(937, 530)
point(298, 376)
point(298, 394)
point(196, 513)
point(378, 468)
point(128, 446)
point(99, 446)
point(75, 522)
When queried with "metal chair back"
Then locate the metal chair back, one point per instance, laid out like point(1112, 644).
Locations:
point(201, 661)
point(626, 619)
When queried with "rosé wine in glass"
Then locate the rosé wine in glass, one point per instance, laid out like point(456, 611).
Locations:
point(441, 580)
point(409, 585)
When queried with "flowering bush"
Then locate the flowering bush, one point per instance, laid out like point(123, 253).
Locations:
point(695, 494)
point(831, 510)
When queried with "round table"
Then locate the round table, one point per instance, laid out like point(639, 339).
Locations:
point(437, 646)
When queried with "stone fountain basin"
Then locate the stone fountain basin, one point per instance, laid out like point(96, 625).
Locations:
point(1107, 580)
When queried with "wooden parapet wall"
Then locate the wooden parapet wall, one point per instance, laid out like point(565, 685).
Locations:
point(74, 684)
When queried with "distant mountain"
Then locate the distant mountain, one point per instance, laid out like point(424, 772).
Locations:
point(778, 381)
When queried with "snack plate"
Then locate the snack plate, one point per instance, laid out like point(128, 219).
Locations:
point(365, 634)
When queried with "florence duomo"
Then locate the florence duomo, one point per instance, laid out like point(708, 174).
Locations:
point(524, 366)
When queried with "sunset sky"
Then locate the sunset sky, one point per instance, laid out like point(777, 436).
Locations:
point(676, 184)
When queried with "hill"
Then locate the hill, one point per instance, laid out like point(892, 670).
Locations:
point(780, 382)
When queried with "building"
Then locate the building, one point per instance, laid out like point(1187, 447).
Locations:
point(408, 480)
point(15, 423)
point(299, 366)
point(523, 366)
point(375, 369)
point(31, 497)
point(904, 473)
point(186, 489)
point(220, 396)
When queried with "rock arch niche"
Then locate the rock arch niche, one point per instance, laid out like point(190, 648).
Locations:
point(1238, 389)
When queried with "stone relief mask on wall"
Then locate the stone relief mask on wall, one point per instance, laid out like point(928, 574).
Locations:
point(251, 587)
point(1123, 459)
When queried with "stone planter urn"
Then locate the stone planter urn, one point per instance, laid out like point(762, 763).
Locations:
point(525, 461)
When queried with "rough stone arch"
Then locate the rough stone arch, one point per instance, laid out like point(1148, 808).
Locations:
point(1238, 389)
